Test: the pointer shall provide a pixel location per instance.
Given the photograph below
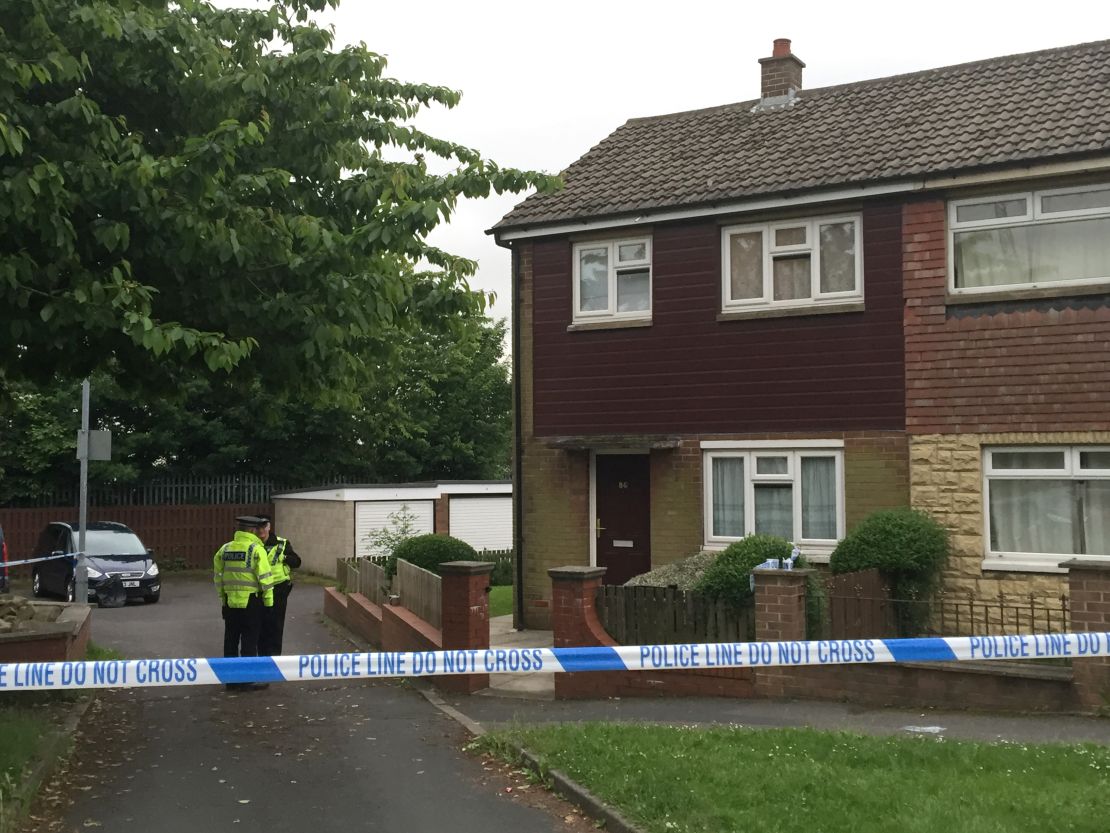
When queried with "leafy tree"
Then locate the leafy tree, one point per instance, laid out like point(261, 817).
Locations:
point(185, 188)
point(442, 413)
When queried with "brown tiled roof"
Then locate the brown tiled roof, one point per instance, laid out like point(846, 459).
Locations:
point(1048, 105)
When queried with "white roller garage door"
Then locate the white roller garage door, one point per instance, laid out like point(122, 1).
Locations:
point(486, 523)
point(373, 515)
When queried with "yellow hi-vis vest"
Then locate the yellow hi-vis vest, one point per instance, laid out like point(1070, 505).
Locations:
point(241, 569)
point(277, 561)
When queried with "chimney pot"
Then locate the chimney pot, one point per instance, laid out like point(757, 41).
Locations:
point(781, 73)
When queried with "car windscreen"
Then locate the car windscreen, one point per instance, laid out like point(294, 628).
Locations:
point(107, 542)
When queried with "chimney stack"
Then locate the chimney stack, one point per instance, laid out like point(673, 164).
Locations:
point(782, 72)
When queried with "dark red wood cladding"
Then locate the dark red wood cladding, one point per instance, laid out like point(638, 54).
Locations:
point(690, 373)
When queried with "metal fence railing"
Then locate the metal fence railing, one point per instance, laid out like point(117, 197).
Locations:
point(174, 492)
point(860, 606)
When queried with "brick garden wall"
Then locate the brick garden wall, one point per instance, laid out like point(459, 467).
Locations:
point(780, 615)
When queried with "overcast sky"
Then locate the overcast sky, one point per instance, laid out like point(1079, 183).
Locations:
point(542, 82)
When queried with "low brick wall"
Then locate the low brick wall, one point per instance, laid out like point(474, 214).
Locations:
point(780, 616)
point(396, 628)
point(64, 640)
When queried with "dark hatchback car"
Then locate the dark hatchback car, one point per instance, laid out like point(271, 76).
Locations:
point(112, 551)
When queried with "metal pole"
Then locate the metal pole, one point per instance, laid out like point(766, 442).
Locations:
point(81, 575)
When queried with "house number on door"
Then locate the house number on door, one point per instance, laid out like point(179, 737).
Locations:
point(622, 484)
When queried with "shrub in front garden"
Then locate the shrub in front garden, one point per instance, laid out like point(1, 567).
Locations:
point(429, 551)
point(906, 545)
point(729, 576)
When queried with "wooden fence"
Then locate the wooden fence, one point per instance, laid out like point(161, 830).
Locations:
point(419, 591)
point(362, 575)
point(181, 536)
point(669, 616)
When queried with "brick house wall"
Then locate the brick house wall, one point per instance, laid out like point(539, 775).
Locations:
point(1018, 365)
point(1016, 371)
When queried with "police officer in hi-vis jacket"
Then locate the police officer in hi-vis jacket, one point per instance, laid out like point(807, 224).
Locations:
point(283, 559)
point(244, 582)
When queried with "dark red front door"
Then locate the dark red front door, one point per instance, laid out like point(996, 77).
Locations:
point(622, 526)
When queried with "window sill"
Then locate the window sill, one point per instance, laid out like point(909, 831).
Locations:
point(609, 324)
point(959, 299)
point(790, 312)
point(813, 554)
point(1032, 564)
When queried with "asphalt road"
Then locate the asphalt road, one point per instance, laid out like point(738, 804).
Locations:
point(363, 756)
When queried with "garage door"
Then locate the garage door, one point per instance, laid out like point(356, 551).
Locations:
point(374, 515)
point(486, 523)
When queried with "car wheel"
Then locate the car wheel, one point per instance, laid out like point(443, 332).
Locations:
point(152, 599)
point(36, 584)
point(71, 589)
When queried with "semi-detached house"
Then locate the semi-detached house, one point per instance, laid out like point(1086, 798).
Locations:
point(781, 315)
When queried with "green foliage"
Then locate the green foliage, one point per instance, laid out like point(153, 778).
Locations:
point(187, 189)
point(729, 577)
point(442, 413)
point(681, 779)
point(907, 545)
point(683, 575)
point(502, 574)
point(402, 526)
point(429, 551)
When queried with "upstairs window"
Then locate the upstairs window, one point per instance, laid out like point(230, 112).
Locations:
point(1033, 239)
point(797, 263)
point(612, 280)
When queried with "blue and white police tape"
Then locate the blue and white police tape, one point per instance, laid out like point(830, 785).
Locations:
point(138, 673)
point(4, 564)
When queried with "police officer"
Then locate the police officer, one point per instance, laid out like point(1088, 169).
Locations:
point(283, 559)
point(241, 571)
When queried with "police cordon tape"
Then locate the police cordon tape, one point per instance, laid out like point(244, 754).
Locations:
point(6, 564)
point(140, 673)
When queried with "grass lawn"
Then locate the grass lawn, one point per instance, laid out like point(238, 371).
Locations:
point(21, 728)
point(673, 779)
point(501, 600)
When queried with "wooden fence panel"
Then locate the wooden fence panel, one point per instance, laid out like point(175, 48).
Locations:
point(668, 616)
point(420, 591)
point(186, 534)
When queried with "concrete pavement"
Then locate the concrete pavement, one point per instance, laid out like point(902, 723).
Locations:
point(353, 756)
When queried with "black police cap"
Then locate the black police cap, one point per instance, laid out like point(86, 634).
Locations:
point(252, 520)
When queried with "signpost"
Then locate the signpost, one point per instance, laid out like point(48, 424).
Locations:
point(91, 445)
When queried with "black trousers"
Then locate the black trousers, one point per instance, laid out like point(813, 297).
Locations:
point(242, 628)
point(273, 621)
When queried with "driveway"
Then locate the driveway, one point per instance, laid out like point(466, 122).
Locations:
point(299, 756)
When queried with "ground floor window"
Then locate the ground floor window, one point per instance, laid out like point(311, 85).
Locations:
point(794, 493)
point(1048, 501)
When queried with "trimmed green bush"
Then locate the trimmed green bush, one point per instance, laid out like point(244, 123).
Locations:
point(429, 551)
point(729, 577)
point(906, 545)
point(502, 571)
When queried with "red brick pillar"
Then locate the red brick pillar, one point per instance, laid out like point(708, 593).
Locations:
point(780, 616)
point(1089, 601)
point(575, 625)
point(465, 618)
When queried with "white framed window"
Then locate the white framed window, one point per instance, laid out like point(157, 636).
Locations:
point(612, 279)
point(1030, 239)
point(794, 493)
point(795, 263)
point(1045, 504)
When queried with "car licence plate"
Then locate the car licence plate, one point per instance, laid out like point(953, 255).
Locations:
point(131, 584)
